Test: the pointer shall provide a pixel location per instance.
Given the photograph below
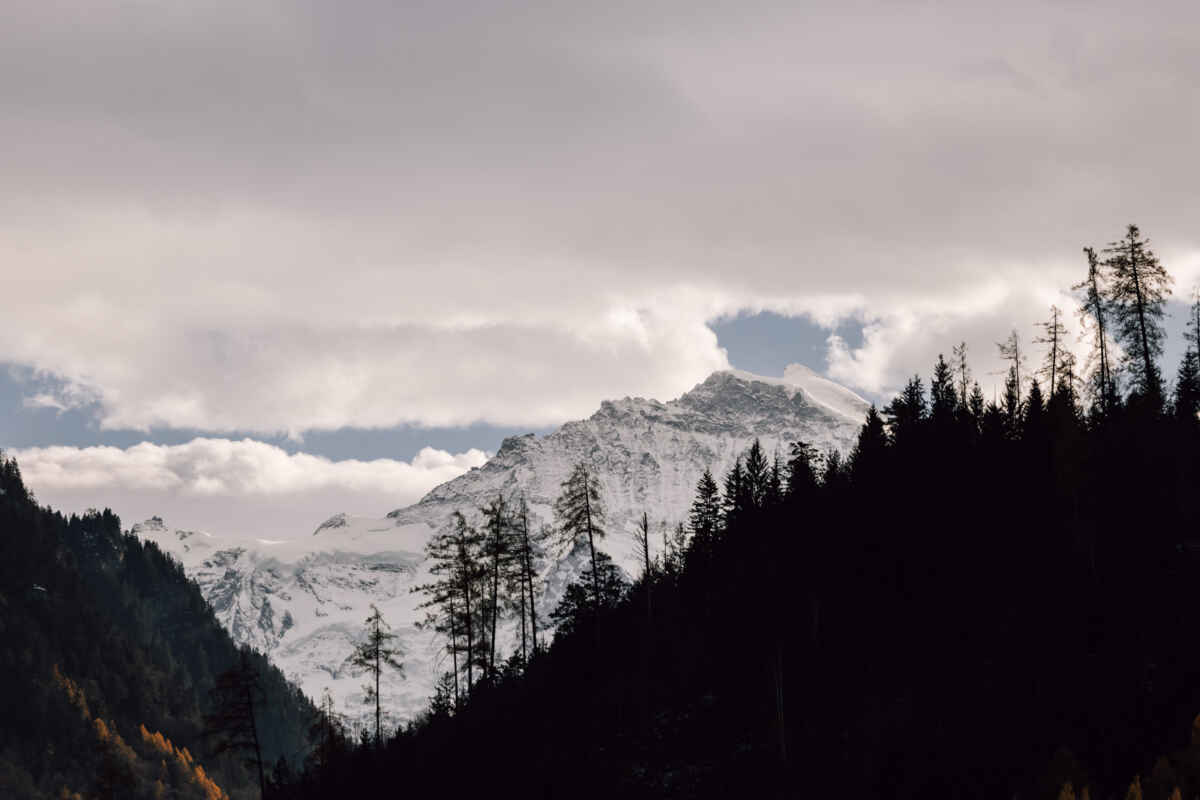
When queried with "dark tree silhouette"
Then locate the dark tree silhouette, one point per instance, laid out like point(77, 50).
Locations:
point(374, 654)
point(580, 513)
point(1137, 293)
point(237, 695)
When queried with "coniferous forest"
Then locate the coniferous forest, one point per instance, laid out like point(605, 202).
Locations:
point(118, 681)
point(983, 599)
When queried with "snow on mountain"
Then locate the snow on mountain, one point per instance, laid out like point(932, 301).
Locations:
point(303, 601)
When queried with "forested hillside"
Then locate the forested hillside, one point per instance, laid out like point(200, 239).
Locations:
point(109, 656)
point(983, 600)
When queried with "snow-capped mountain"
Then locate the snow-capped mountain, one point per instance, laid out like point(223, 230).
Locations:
point(303, 601)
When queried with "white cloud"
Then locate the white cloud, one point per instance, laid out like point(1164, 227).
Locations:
point(223, 467)
point(243, 488)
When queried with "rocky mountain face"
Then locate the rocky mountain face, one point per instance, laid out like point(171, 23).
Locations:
point(303, 601)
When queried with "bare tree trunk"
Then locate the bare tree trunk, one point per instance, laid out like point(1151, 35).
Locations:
point(454, 651)
point(587, 506)
point(528, 560)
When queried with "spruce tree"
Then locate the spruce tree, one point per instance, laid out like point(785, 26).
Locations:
point(374, 654)
point(943, 397)
point(870, 451)
point(906, 412)
point(1187, 380)
point(803, 469)
point(705, 516)
point(1137, 291)
point(580, 513)
point(757, 474)
point(733, 502)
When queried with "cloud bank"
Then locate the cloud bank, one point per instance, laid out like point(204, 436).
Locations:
point(241, 487)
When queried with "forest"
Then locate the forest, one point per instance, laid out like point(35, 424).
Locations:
point(986, 599)
point(982, 599)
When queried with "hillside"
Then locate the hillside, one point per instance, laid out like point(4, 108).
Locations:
point(109, 653)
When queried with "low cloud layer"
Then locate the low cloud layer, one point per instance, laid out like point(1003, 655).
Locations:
point(242, 487)
point(305, 216)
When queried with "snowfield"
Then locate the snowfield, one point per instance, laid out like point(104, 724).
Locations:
point(303, 601)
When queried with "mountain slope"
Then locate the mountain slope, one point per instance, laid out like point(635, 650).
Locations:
point(100, 635)
point(303, 601)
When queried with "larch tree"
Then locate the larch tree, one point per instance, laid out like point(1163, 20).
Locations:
point(374, 654)
point(499, 553)
point(1053, 335)
point(452, 598)
point(580, 512)
point(1094, 315)
point(528, 557)
point(1138, 290)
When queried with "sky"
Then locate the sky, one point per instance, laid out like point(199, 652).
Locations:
point(265, 263)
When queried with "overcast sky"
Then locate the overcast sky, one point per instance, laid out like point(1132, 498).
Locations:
point(274, 224)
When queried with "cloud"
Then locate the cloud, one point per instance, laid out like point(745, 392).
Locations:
point(225, 468)
point(242, 488)
point(296, 218)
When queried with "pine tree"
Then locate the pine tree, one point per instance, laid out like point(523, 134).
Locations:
point(373, 654)
point(580, 513)
point(236, 696)
point(1138, 292)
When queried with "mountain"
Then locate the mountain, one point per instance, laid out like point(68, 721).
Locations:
point(303, 601)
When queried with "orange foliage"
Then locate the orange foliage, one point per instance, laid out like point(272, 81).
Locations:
point(106, 734)
point(74, 694)
point(194, 772)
